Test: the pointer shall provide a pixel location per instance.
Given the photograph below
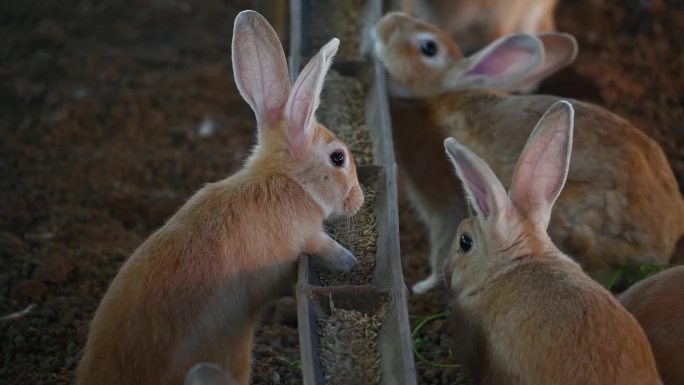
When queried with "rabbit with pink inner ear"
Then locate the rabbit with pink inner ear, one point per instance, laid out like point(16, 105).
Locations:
point(621, 205)
point(192, 292)
point(657, 303)
point(540, 318)
point(476, 23)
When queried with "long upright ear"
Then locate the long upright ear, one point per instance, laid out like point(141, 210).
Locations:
point(484, 190)
point(503, 63)
point(560, 50)
point(543, 166)
point(260, 67)
point(304, 99)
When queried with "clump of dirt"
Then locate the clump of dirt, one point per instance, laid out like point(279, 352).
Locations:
point(275, 357)
point(434, 343)
point(359, 235)
point(343, 113)
point(349, 346)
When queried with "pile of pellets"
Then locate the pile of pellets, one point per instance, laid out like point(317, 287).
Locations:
point(342, 112)
point(349, 347)
point(348, 338)
point(359, 235)
point(341, 19)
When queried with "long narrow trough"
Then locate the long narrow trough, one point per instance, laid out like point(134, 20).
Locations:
point(354, 328)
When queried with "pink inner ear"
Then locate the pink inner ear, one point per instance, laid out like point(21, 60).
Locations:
point(559, 52)
point(299, 109)
point(476, 186)
point(266, 86)
point(503, 59)
point(260, 67)
point(302, 99)
point(542, 170)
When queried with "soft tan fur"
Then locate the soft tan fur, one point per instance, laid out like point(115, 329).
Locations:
point(193, 290)
point(621, 204)
point(657, 303)
point(538, 319)
point(476, 23)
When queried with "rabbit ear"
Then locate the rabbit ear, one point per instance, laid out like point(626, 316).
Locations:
point(560, 50)
point(542, 168)
point(260, 67)
point(484, 190)
point(503, 63)
point(304, 99)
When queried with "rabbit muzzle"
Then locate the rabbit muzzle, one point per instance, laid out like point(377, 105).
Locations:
point(353, 201)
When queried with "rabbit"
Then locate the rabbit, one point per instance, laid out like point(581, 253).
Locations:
point(476, 23)
point(657, 303)
point(541, 319)
point(621, 205)
point(193, 290)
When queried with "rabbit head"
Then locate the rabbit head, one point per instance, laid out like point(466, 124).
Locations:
point(290, 140)
point(508, 227)
point(424, 61)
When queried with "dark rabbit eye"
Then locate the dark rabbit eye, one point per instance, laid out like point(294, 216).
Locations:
point(429, 48)
point(465, 242)
point(337, 158)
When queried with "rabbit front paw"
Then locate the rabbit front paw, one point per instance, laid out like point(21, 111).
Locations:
point(330, 255)
point(344, 262)
point(341, 261)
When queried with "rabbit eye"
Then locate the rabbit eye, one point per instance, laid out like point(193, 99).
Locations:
point(337, 158)
point(465, 242)
point(429, 48)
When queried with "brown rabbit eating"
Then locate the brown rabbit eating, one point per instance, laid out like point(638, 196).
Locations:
point(193, 290)
point(621, 205)
point(657, 303)
point(540, 318)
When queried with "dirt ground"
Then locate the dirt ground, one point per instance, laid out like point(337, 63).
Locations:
point(114, 112)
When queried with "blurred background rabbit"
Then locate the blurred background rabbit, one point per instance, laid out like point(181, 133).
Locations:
point(621, 205)
point(476, 23)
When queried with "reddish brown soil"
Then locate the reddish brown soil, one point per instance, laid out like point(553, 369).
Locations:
point(100, 143)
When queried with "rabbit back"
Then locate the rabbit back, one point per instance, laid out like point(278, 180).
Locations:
point(657, 303)
point(576, 335)
point(621, 204)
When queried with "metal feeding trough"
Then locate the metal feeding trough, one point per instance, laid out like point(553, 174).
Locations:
point(333, 313)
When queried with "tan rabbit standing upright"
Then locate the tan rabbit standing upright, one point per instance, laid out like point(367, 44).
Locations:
point(657, 303)
point(540, 318)
point(621, 205)
point(476, 23)
point(192, 291)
